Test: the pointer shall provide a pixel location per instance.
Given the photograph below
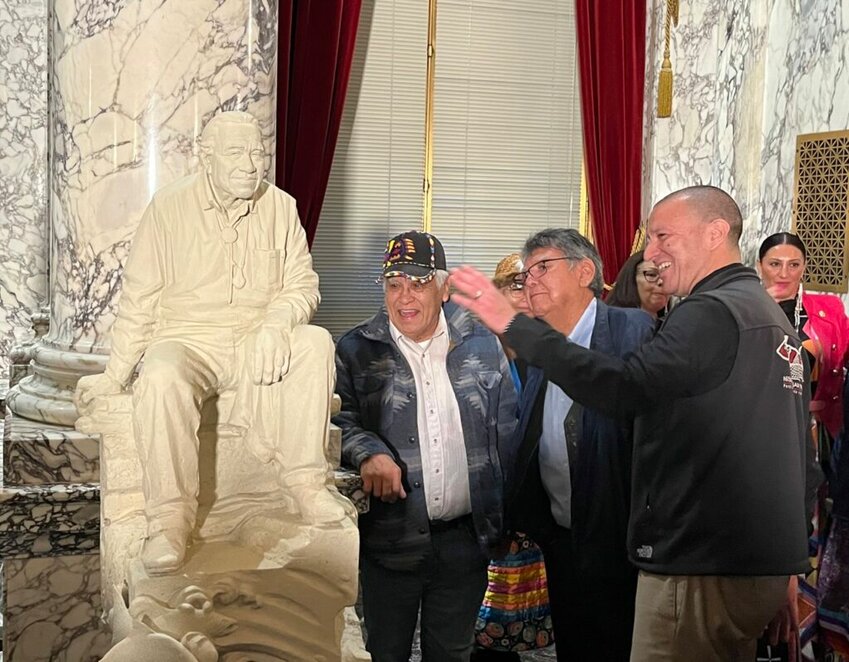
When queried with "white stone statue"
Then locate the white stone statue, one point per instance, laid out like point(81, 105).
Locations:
point(217, 293)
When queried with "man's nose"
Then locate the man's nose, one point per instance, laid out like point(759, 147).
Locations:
point(650, 250)
point(248, 163)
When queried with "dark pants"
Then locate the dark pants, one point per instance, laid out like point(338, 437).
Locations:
point(592, 617)
point(448, 586)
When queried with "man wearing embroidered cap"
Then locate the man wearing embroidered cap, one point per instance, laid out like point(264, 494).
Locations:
point(427, 403)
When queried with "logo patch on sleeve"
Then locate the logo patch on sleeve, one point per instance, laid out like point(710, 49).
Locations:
point(794, 381)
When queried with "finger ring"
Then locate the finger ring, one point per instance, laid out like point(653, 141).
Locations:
point(478, 294)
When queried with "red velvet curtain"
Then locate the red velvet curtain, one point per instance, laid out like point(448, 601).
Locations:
point(611, 56)
point(315, 48)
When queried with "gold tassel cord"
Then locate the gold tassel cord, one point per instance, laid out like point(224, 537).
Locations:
point(664, 84)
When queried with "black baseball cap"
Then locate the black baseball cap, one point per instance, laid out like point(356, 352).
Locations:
point(413, 254)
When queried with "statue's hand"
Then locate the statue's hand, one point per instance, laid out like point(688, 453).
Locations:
point(91, 387)
point(271, 356)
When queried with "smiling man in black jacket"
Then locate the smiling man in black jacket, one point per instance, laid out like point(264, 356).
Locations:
point(717, 520)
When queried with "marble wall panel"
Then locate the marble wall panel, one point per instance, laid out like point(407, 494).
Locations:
point(749, 78)
point(23, 169)
point(53, 610)
point(682, 146)
point(39, 454)
point(806, 91)
point(49, 520)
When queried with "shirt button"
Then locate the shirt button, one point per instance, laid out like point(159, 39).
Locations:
point(834, 347)
point(833, 397)
point(417, 484)
point(412, 440)
point(835, 371)
point(822, 313)
point(422, 530)
point(410, 396)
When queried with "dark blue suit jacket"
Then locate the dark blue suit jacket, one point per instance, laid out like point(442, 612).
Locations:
point(601, 476)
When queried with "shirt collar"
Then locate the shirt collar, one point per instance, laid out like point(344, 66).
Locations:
point(582, 334)
point(398, 337)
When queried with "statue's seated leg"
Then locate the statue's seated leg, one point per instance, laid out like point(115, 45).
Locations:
point(167, 400)
point(294, 425)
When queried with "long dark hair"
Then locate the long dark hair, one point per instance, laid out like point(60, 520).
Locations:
point(781, 239)
point(624, 293)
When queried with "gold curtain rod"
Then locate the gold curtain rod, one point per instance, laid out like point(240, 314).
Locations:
point(427, 181)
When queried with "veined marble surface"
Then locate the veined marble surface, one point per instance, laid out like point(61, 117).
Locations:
point(51, 520)
point(806, 91)
point(38, 453)
point(23, 168)
point(53, 610)
point(132, 85)
point(749, 78)
point(682, 146)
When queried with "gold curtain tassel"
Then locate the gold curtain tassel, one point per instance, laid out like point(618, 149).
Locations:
point(664, 89)
point(664, 83)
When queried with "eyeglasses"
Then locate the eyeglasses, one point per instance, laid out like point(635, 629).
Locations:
point(651, 275)
point(514, 290)
point(537, 270)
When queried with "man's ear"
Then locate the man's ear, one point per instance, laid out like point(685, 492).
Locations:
point(204, 152)
point(446, 291)
point(586, 272)
point(718, 231)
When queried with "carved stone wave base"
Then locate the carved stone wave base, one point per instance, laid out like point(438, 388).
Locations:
point(285, 603)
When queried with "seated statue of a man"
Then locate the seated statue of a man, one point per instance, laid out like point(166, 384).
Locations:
point(217, 293)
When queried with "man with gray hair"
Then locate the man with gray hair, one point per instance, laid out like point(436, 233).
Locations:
point(428, 404)
point(217, 293)
point(572, 477)
point(717, 522)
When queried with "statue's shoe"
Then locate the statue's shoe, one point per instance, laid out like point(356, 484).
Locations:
point(319, 505)
point(164, 552)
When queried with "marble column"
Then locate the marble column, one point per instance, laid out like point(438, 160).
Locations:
point(132, 84)
point(23, 170)
point(749, 78)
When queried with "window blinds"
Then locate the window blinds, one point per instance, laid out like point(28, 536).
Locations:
point(507, 132)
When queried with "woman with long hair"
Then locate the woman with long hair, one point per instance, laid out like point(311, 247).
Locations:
point(822, 325)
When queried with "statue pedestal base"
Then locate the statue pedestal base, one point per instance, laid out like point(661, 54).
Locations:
point(257, 578)
point(287, 603)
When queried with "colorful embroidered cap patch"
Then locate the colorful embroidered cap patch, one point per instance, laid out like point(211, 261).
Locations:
point(413, 254)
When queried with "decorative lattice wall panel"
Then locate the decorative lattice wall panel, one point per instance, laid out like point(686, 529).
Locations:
point(821, 207)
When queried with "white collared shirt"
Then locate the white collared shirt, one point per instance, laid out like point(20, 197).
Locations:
point(553, 455)
point(443, 450)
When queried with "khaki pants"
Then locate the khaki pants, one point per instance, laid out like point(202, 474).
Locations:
point(703, 618)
